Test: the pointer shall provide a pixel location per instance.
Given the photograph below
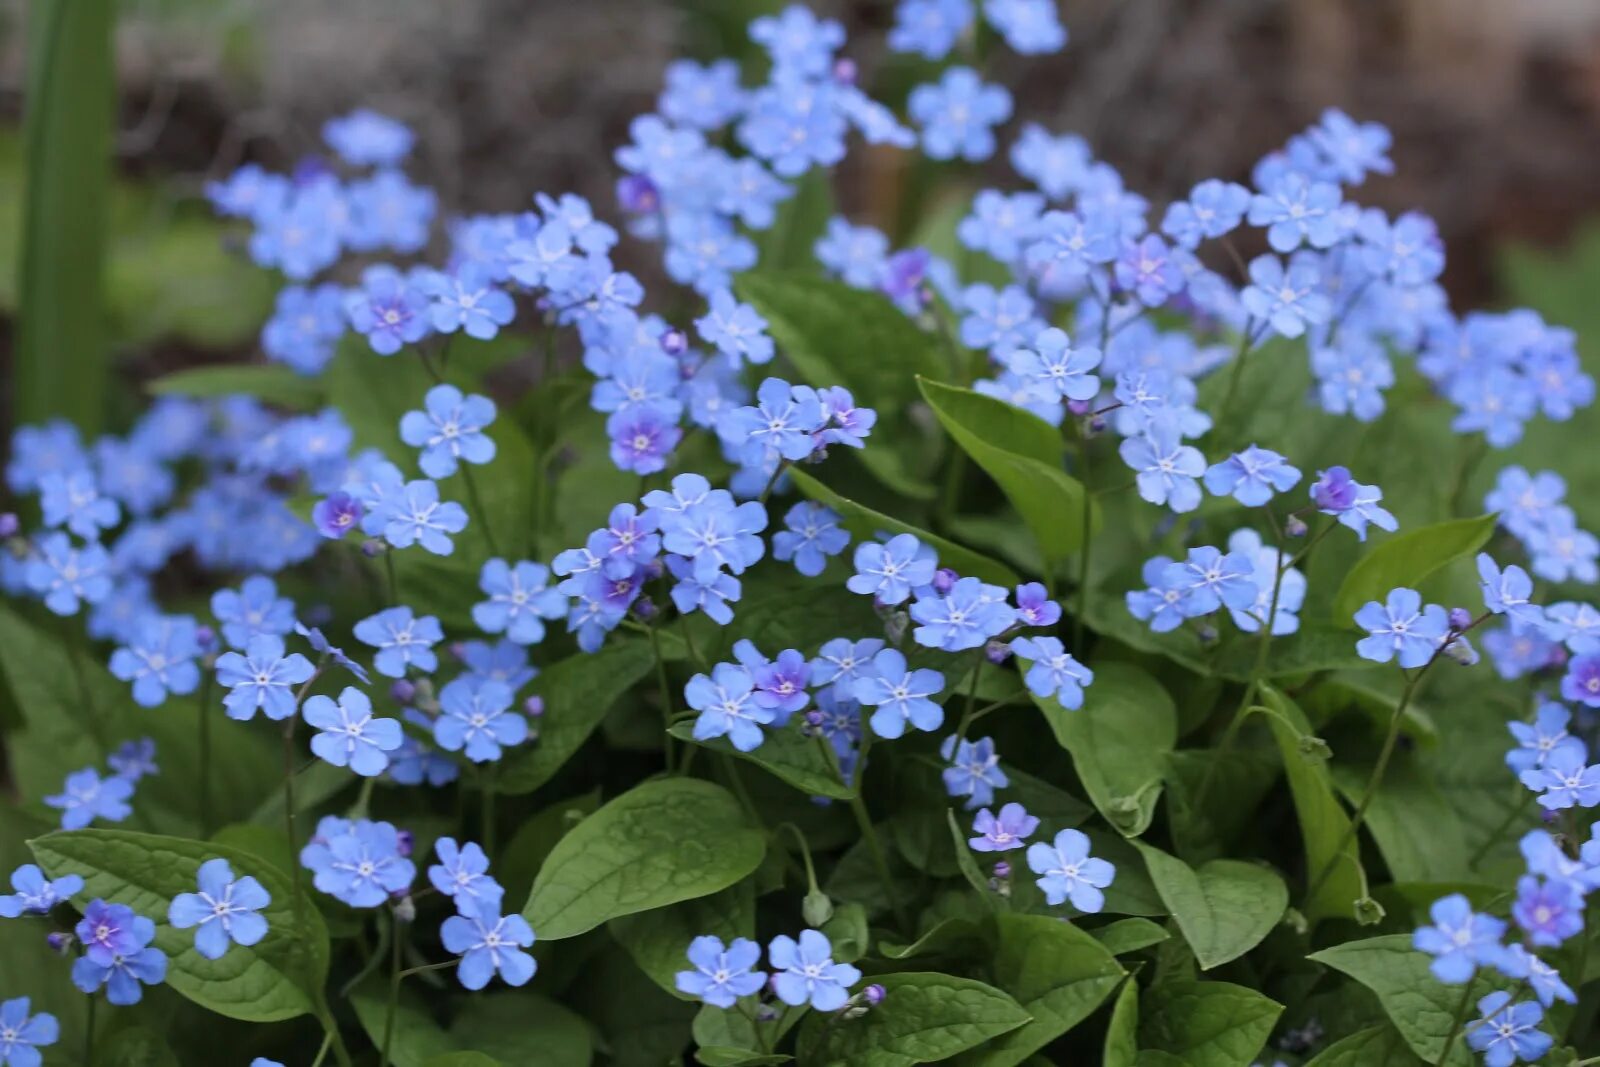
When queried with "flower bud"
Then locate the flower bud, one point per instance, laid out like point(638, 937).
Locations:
point(645, 608)
point(405, 909)
point(816, 908)
point(1080, 408)
point(403, 842)
point(874, 994)
point(944, 580)
point(1460, 618)
point(674, 342)
point(533, 707)
point(60, 942)
point(402, 691)
point(766, 1013)
point(1207, 632)
point(638, 195)
point(372, 548)
point(9, 524)
point(1294, 526)
point(844, 71)
point(205, 637)
point(1002, 869)
point(894, 626)
point(815, 719)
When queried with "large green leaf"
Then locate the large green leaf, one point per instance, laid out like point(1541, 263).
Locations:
point(1374, 1045)
point(1122, 1033)
point(865, 523)
point(1119, 741)
point(272, 383)
point(1129, 935)
point(923, 1018)
point(512, 1026)
point(1058, 973)
point(1421, 1007)
point(1416, 827)
point(1225, 908)
point(577, 692)
point(664, 841)
point(1406, 559)
point(1324, 826)
point(659, 940)
point(277, 979)
point(787, 753)
point(135, 1047)
point(1206, 1024)
point(60, 365)
point(1022, 453)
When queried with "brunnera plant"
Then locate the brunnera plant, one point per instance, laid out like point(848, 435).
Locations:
point(1053, 639)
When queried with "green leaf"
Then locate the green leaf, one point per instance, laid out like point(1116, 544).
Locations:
point(1376, 1044)
point(965, 861)
point(849, 932)
point(1224, 909)
point(271, 383)
point(923, 1018)
point(1022, 453)
point(462, 1059)
point(865, 523)
point(659, 940)
point(787, 753)
point(734, 1031)
point(664, 841)
point(1119, 741)
point(279, 978)
point(521, 857)
point(1324, 827)
point(787, 244)
point(1058, 973)
point(1206, 1024)
point(721, 1056)
point(1406, 559)
point(60, 363)
point(1129, 935)
point(135, 1047)
point(1122, 1034)
point(577, 692)
point(945, 937)
point(417, 1040)
point(1422, 1008)
point(1417, 829)
point(521, 1028)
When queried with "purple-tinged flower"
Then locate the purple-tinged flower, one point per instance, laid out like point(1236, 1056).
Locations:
point(721, 974)
point(1001, 833)
point(641, 438)
point(804, 972)
point(1581, 683)
point(1068, 873)
point(1549, 910)
point(35, 894)
point(1034, 606)
point(117, 953)
point(489, 944)
point(1401, 629)
point(1147, 269)
point(224, 911)
point(336, 515)
point(388, 310)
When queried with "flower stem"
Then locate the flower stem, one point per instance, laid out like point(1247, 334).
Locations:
point(1459, 1023)
point(486, 812)
point(394, 580)
point(666, 697)
point(1236, 375)
point(967, 715)
point(1505, 824)
point(478, 509)
point(396, 948)
point(766, 491)
point(869, 833)
point(204, 729)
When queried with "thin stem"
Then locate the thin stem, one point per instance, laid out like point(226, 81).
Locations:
point(755, 1024)
point(477, 508)
point(486, 812)
point(396, 944)
point(322, 1053)
point(880, 859)
point(1236, 375)
point(1505, 824)
point(296, 888)
point(1086, 544)
point(805, 853)
point(688, 640)
point(203, 727)
point(972, 698)
point(731, 769)
point(666, 697)
point(1459, 1023)
point(426, 967)
point(394, 580)
point(766, 491)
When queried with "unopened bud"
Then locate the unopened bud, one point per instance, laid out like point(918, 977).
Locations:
point(372, 548)
point(402, 691)
point(1097, 425)
point(894, 626)
point(205, 637)
point(1460, 618)
point(944, 580)
point(645, 608)
point(844, 71)
point(1002, 869)
point(874, 994)
point(405, 909)
point(815, 718)
point(1207, 632)
point(997, 652)
point(9, 524)
point(1294, 526)
point(533, 706)
point(816, 908)
point(60, 942)
point(1080, 408)
point(404, 842)
point(674, 342)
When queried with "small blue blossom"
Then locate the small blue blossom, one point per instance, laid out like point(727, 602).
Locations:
point(973, 770)
point(737, 330)
point(804, 972)
point(1460, 940)
point(1052, 671)
point(388, 310)
point(348, 735)
point(781, 423)
point(359, 862)
point(35, 894)
point(721, 974)
point(1402, 629)
point(957, 115)
point(134, 760)
point(1252, 476)
point(1549, 910)
point(117, 953)
point(159, 658)
point(1565, 780)
point(841, 661)
point(1166, 468)
point(1056, 165)
point(489, 944)
point(727, 704)
point(463, 872)
point(476, 716)
point(1030, 27)
point(1147, 269)
point(929, 28)
point(22, 1034)
point(519, 601)
point(416, 516)
point(1068, 873)
point(263, 678)
point(1004, 832)
point(467, 301)
point(66, 576)
point(403, 641)
point(1543, 979)
point(1287, 300)
point(255, 608)
point(1506, 592)
point(1353, 504)
point(893, 570)
point(968, 615)
point(505, 662)
point(1165, 604)
point(1211, 579)
point(364, 138)
point(855, 254)
point(1000, 224)
point(813, 535)
point(900, 695)
point(224, 911)
point(1508, 1032)
point(450, 430)
point(74, 500)
point(1214, 208)
point(1051, 364)
point(1295, 211)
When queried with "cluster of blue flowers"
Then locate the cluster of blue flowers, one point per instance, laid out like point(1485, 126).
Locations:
point(803, 972)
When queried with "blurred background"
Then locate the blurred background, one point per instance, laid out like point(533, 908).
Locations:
point(1495, 108)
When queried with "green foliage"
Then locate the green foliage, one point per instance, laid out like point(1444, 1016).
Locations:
point(1406, 559)
point(1206, 1024)
point(1225, 908)
point(924, 1017)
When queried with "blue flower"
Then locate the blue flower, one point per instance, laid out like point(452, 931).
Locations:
point(364, 138)
point(22, 1035)
point(846, 424)
point(1056, 165)
point(727, 704)
point(450, 430)
point(1251, 476)
point(66, 576)
point(900, 695)
point(1549, 910)
point(1165, 604)
point(707, 97)
point(519, 601)
point(255, 608)
point(893, 570)
point(1147, 269)
point(781, 423)
point(1068, 873)
point(721, 974)
point(797, 40)
point(1351, 149)
point(348, 735)
point(85, 796)
point(35, 893)
point(1052, 671)
point(854, 254)
point(402, 640)
point(1351, 377)
point(929, 28)
point(388, 310)
point(1287, 300)
point(1068, 246)
point(387, 211)
point(737, 330)
point(1544, 736)
point(73, 500)
point(1543, 979)
point(971, 613)
point(1001, 225)
point(1030, 27)
point(1460, 940)
point(336, 515)
point(477, 716)
point(117, 953)
point(841, 661)
point(1211, 579)
point(1054, 366)
point(1295, 211)
point(999, 321)
point(134, 759)
point(359, 862)
point(715, 530)
point(223, 911)
point(505, 661)
point(463, 873)
point(415, 761)
point(1353, 504)
point(804, 972)
point(262, 678)
point(703, 587)
point(305, 327)
point(1506, 592)
point(416, 516)
point(159, 658)
point(641, 439)
point(1214, 208)
point(1034, 606)
point(1507, 1034)
point(488, 944)
point(1401, 629)
point(1565, 779)
point(812, 536)
point(1010, 829)
point(38, 451)
point(957, 115)
point(974, 770)
point(1166, 467)
point(1266, 563)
